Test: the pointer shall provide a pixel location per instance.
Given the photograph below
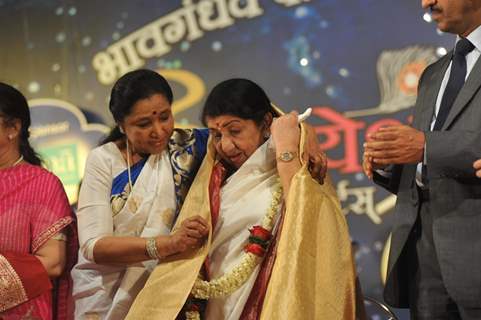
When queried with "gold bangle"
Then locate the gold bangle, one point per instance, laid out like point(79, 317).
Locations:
point(151, 248)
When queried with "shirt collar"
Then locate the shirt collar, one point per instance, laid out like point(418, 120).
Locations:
point(474, 37)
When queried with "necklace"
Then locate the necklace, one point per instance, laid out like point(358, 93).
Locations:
point(18, 161)
point(15, 163)
point(252, 256)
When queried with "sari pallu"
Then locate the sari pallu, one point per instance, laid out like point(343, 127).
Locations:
point(33, 209)
point(310, 275)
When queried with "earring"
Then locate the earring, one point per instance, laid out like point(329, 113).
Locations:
point(10, 137)
point(267, 135)
point(121, 130)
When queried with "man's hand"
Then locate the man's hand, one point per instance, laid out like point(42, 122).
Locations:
point(395, 145)
point(368, 166)
point(477, 166)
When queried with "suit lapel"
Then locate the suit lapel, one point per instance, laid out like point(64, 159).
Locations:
point(428, 104)
point(467, 92)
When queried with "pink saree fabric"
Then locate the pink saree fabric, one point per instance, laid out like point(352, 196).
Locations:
point(33, 208)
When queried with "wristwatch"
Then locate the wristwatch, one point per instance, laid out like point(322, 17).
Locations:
point(286, 156)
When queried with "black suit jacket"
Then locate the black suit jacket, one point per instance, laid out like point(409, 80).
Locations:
point(455, 192)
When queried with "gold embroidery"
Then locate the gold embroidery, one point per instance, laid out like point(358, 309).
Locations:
point(12, 292)
point(47, 234)
point(132, 204)
point(117, 204)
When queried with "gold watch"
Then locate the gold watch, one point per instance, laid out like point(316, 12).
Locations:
point(286, 156)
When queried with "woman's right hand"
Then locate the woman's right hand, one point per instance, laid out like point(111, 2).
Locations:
point(190, 235)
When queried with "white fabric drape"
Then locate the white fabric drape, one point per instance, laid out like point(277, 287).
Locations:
point(103, 291)
point(245, 198)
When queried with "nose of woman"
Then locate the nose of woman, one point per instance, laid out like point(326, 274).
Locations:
point(227, 145)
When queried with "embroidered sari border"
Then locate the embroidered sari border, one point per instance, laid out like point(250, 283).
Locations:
point(12, 291)
point(50, 232)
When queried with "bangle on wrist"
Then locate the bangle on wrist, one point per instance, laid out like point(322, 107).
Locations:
point(151, 248)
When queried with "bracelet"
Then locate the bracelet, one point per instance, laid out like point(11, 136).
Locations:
point(286, 156)
point(151, 248)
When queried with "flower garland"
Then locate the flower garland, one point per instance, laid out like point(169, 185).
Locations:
point(254, 251)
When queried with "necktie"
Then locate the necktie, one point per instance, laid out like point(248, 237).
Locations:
point(455, 82)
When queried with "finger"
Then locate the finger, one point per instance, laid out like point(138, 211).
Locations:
point(383, 154)
point(195, 227)
point(197, 220)
point(387, 161)
point(378, 145)
point(392, 128)
point(193, 233)
point(477, 164)
point(385, 136)
point(478, 173)
point(316, 165)
point(367, 167)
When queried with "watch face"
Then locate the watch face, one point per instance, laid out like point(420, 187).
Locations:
point(286, 156)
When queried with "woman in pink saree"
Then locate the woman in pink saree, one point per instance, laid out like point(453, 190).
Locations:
point(37, 234)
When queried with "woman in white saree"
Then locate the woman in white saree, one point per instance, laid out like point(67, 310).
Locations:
point(279, 247)
point(133, 186)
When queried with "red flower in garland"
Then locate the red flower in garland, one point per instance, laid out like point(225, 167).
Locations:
point(255, 249)
point(260, 233)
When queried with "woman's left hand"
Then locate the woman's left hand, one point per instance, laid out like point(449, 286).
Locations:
point(316, 157)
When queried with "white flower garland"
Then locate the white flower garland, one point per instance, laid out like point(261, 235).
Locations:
point(236, 277)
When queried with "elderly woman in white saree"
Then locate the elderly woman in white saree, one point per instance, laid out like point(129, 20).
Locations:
point(279, 246)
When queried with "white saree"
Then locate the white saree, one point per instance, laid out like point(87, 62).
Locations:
point(245, 199)
point(107, 291)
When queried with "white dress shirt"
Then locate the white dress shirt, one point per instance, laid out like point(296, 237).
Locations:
point(471, 58)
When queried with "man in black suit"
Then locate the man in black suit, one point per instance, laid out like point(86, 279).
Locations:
point(435, 257)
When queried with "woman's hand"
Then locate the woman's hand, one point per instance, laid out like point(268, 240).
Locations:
point(190, 235)
point(316, 158)
point(286, 133)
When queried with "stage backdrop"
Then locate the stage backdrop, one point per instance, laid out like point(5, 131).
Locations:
point(356, 62)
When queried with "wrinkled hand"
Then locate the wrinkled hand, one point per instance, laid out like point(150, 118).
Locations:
point(477, 166)
point(190, 235)
point(316, 158)
point(285, 132)
point(395, 145)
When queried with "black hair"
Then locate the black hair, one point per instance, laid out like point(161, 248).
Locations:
point(128, 90)
point(237, 97)
point(14, 106)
